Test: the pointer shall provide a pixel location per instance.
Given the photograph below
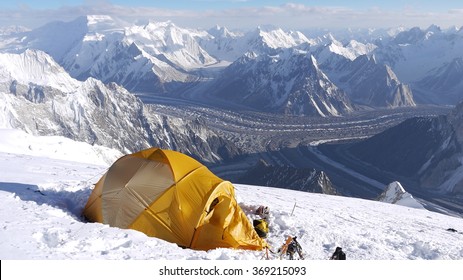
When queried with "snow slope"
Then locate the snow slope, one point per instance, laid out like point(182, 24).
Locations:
point(56, 147)
point(42, 198)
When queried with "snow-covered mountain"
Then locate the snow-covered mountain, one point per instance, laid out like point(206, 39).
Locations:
point(334, 48)
point(168, 42)
point(289, 82)
point(39, 96)
point(163, 58)
point(230, 46)
point(427, 60)
point(40, 218)
point(373, 84)
point(353, 68)
point(223, 44)
point(445, 83)
point(300, 179)
point(395, 193)
point(143, 58)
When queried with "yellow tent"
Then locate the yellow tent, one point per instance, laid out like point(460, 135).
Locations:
point(171, 196)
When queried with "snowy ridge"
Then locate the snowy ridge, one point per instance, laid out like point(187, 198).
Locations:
point(226, 45)
point(223, 44)
point(178, 45)
point(333, 48)
point(35, 67)
point(276, 38)
point(355, 69)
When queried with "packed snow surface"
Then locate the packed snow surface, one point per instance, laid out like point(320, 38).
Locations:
point(42, 199)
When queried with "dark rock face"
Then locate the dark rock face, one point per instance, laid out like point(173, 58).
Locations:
point(373, 84)
point(288, 82)
point(403, 149)
point(426, 149)
point(96, 113)
point(301, 179)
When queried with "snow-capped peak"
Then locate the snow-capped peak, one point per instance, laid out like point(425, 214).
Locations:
point(394, 193)
point(155, 25)
point(221, 32)
point(434, 28)
point(277, 38)
point(36, 67)
point(103, 24)
point(177, 44)
point(99, 19)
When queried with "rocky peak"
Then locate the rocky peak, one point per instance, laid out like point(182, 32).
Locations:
point(394, 193)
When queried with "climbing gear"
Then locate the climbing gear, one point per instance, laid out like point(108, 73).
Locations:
point(291, 247)
point(263, 211)
point(261, 227)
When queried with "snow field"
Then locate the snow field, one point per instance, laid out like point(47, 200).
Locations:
point(43, 198)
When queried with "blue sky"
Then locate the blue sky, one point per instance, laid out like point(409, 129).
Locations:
point(430, 5)
point(294, 14)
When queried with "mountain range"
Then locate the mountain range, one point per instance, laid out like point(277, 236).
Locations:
point(76, 79)
point(289, 82)
point(389, 70)
point(38, 96)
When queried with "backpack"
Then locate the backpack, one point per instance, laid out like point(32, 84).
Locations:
point(261, 227)
point(294, 248)
point(338, 254)
point(342, 255)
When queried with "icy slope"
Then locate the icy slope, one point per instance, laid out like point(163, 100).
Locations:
point(55, 147)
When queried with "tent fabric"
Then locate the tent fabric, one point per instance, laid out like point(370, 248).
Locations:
point(169, 195)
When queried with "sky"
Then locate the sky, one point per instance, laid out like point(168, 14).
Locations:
point(244, 14)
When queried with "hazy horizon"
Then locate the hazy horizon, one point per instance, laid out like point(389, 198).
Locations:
point(242, 14)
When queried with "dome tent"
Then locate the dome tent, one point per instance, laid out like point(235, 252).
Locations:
point(171, 196)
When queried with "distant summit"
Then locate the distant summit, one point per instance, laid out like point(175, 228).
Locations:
point(398, 68)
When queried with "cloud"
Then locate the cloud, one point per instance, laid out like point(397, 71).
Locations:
point(289, 16)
